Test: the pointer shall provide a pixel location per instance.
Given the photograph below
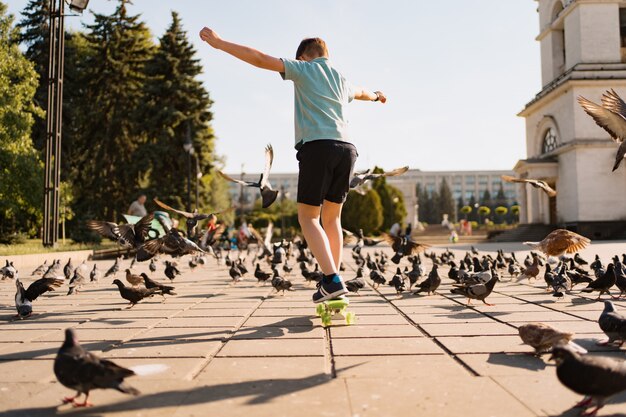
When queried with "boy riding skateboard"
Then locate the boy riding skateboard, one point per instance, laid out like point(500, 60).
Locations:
point(326, 155)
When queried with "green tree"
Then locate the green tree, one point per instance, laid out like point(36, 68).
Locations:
point(392, 200)
point(21, 170)
point(486, 199)
point(501, 199)
point(473, 215)
point(423, 203)
point(363, 212)
point(178, 108)
point(114, 79)
point(446, 201)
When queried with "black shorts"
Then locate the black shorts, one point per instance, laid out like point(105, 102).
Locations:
point(325, 171)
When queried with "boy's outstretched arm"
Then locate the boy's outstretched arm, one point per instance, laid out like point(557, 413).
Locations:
point(246, 54)
point(366, 95)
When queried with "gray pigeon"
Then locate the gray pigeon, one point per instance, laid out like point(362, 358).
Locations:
point(41, 268)
point(55, 270)
point(83, 371)
point(431, 283)
point(612, 324)
point(597, 378)
point(95, 274)
point(24, 298)
point(68, 269)
point(134, 294)
point(8, 271)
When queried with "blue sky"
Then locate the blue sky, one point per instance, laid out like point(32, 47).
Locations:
point(456, 73)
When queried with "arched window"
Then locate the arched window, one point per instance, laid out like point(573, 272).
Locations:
point(550, 141)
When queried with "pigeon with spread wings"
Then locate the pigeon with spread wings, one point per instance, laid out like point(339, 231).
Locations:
point(267, 193)
point(560, 241)
point(362, 177)
point(535, 183)
point(192, 219)
point(611, 116)
point(126, 235)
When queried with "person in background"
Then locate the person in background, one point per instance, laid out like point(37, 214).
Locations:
point(137, 207)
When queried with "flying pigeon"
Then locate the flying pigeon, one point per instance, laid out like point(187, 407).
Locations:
point(361, 178)
point(268, 195)
point(560, 241)
point(126, 235)
point(191, 219)
point(535, 183)
point(24, 298)
point(611, 116)
point(543, 337)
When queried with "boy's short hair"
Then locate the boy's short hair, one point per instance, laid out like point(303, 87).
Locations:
point(311, 47)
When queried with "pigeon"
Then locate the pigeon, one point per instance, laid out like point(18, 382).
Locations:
point(152, 265)
point(280, 284)
point(415, 274)
point(170, 270)
point(235, 273)
point(355, 284)
point(620, 277)
point(172, 243)
point(8, 271)
point(134, 294)
point(41, 269)
point(126, 235)
point(362, 177)
point(561, 283)
point(597, 378)
point(542, 185)
point(397, 281)
point(149, 283)
point(24, 298)
point(560, 241)
point(612, 324)
point(133, 279)
point(95, 274)
point(55, 270)
point(260, 275)
point(531, 271)
point(191, 219)
point(377, 277)
point(78, 280)
point(611, 117)
point(579, 260)
point(477, 291)
point(113, 270)
point(605, 281)
point(403, 246)
point(268, 195)
point(431, 283)
point(543, 338)
point(82, 371)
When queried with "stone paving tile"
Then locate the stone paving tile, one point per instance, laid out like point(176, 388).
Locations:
point(545, 396)
point(273, 347)
point(116, 323)
point(17, 335)
point(26, 371)
point(165, 348)
point(89, 335)
point(525, 317)
point(360, 331)
point(469, 329)
point(282, 332)
point(215, 312)
point(305, 321)
point(364, 319)
point(43, 350)
point(397, 367)
point(184, 333)
point(201, 322)
point(253, 369)
point(311, 396)
point(483, 344)
point(177, 368)
point(499, 364)
point(432, 395)
point(385, 346)
point(282, 312)
point(465, 316)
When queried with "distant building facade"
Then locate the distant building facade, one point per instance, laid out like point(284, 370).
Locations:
point(583, 52)
point(464, 184)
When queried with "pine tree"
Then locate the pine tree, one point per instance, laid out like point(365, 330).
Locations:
point(392, 200)
point(121, 45)
point(21, 171)
point(422, 201)
point(473, 216)
point(178, 105)
point(362, 212)
point(486, 199)
point(446, 201)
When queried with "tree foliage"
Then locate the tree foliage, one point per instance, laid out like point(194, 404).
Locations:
point(21, 170)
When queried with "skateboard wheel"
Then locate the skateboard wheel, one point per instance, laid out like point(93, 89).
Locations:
point(319, 309)
point(350, 318)
point(326, 320)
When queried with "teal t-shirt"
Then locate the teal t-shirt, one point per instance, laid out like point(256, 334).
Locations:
point(321, 94)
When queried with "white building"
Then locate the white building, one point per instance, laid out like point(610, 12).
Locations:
point(463, 184)
point(583, 52)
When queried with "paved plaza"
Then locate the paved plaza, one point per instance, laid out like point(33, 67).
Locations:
point(243, 350)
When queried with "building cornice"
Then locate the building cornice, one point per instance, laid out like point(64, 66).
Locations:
point(579, 75)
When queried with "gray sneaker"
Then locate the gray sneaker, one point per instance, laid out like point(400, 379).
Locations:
point(329, 289)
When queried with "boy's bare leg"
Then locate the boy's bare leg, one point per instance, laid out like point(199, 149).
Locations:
point(331, 221)
point(316, 238)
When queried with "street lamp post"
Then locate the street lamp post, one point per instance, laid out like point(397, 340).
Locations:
point(52, 171)
point(188, 147)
